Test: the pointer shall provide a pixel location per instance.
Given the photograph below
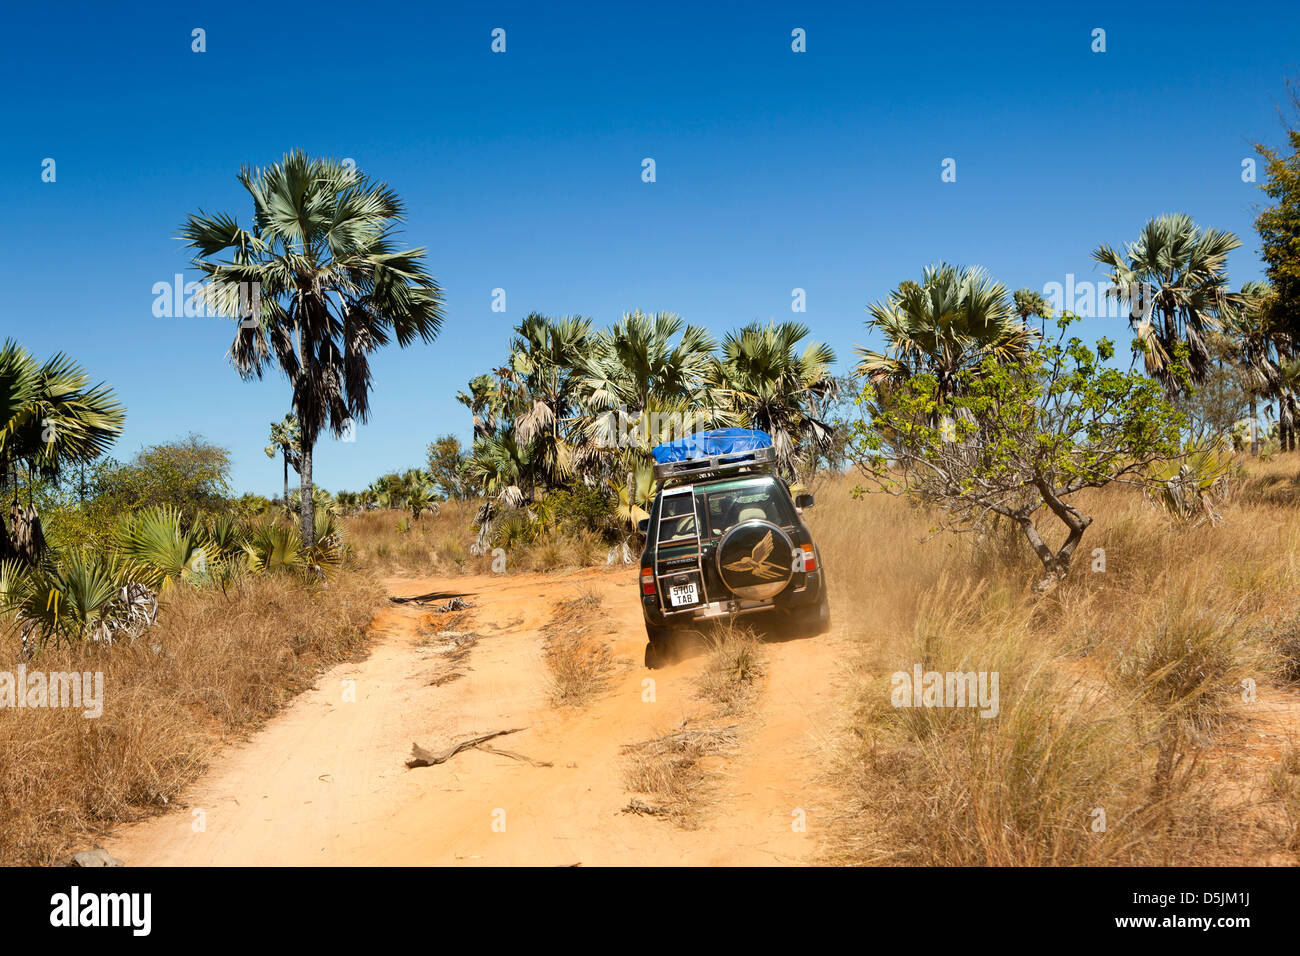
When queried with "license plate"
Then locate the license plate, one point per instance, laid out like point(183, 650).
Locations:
point(681, 594)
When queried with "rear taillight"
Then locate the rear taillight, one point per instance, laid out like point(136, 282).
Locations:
point(647, 581)
point(809, 558)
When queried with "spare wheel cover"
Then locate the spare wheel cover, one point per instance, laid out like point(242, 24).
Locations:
point(755, 560)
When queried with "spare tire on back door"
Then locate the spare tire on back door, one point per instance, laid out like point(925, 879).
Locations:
point(755, 560)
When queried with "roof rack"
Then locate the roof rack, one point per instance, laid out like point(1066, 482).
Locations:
point(758, 459)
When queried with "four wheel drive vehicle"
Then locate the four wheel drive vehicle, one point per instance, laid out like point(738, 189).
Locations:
point(725, 538)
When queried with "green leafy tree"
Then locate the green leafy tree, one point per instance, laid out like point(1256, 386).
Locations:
point(317, 284)
point(191, 475)
point(446, 467)
point(1279, 227)
point(1019, 441)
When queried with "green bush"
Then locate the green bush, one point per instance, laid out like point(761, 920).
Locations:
point(579, 508)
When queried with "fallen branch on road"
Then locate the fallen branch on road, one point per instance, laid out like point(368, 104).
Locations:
point(515, 756)
point(424, 758)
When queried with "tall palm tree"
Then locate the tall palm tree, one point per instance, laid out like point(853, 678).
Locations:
point(1028, 303)
point(50, 418)
point(502, 468)
point(775, 387)
point(1175, 279)
point(1288, 404)
point(636, 359)
point(484, 401)
point(417, 492)
point(640, 387)
point(286, 437)
point(331, 286)
point(1253, 346)
point(947, 324)
point(542, 384)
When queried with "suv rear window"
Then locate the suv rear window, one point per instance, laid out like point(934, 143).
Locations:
point(728, 506)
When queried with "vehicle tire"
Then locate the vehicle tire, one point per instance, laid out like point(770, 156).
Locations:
point(817, 619)
point(658, 646)
point(824, 612)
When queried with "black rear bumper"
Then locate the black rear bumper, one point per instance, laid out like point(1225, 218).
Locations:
point(794, 598)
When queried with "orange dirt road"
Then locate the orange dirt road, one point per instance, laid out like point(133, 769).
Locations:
point(325, 781)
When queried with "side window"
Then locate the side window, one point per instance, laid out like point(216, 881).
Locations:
point(677, 518)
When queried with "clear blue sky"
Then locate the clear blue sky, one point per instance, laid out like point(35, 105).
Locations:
point(522, 170)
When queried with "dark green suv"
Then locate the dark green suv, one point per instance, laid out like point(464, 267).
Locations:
point(727, 542)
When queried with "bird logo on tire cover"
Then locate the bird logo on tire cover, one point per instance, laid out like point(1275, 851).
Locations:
point(757, 563)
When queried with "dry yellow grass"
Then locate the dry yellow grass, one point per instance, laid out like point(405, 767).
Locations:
point(734, 667)
point(1115, 688)
point(677, 770)
point(214, 665)
point(577, 658)
point(391, 543)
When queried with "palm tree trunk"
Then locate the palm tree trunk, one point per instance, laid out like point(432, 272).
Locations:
point(1254, 430)
point(308, 506)
point(285, 499)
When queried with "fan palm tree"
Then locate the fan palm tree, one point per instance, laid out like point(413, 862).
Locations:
point(1174, 277)
point(640, 388)
point(50, 418)
point(484, 401)
point(636, 496)
point(85, 595)
point(775, 387)
point(323, 284)
point(503, 470)
point(166, 552)
point(271, 546)
point(350, 502)
point(946, 325)
point(286, 435)
point(542, 383)
point(417, 492)
point(1253, 346)
point(1029, 303)
point(615, 441)
point(636, 360)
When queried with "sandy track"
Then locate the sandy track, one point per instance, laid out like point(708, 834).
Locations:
point(325, 782)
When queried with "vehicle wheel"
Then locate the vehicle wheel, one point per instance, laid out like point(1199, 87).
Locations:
point(824, 612)
point(817, 620)
point(658, 645)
